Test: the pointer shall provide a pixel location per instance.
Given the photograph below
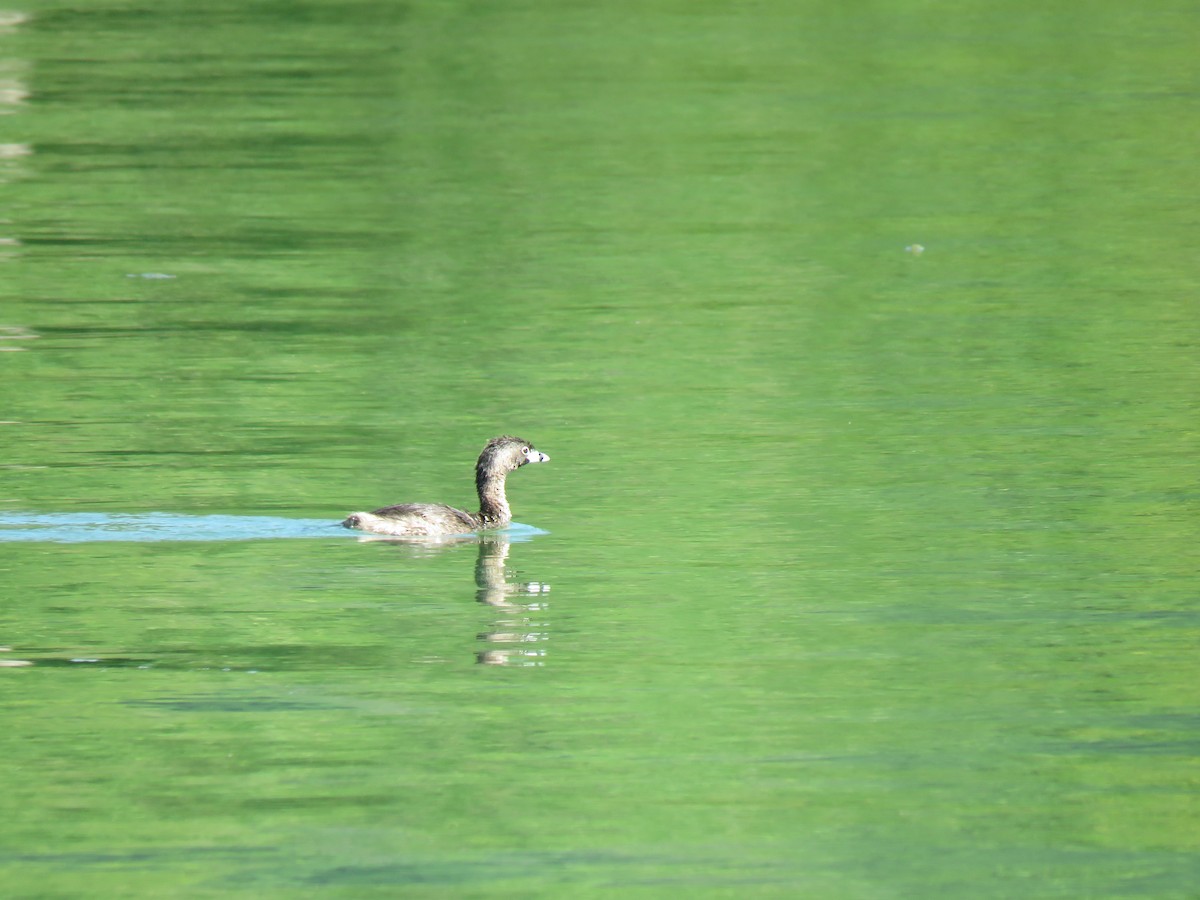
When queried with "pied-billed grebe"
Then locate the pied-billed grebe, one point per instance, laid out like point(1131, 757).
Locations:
point(502, 455)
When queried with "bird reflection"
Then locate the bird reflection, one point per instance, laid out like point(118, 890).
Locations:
point(521, 601)
point(518, 637)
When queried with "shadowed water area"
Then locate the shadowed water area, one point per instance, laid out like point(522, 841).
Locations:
point(863, 342)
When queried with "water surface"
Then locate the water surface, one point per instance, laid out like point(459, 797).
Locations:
point(858, 571)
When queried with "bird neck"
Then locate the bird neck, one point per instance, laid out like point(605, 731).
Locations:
point(493, 504)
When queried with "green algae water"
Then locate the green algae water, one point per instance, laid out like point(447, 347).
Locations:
point(863, 341)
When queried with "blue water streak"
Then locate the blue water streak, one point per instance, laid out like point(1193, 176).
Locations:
point(81, 527)
point(71, 528)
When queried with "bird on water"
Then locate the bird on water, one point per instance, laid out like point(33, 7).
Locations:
point(500, 456)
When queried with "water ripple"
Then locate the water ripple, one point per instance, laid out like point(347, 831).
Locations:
point(82, 527)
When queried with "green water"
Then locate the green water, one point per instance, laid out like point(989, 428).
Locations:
point(870, 572)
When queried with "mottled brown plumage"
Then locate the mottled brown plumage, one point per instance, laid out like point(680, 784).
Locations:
point(500, 456)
